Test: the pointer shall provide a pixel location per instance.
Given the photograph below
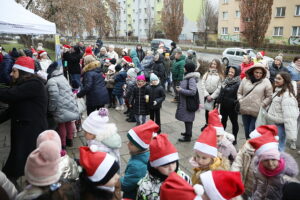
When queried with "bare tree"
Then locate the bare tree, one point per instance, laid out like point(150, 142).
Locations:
point(208, 19)
point(255, 19)
point(150, 22)
point(115, 11)
point(172, 18)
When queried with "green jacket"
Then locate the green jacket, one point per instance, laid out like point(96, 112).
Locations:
point(178, 69)
point(136, 170)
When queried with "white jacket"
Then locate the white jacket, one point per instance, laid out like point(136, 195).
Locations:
point(284, 110)
point(113, 54)
point(211, 84)
point(8, 186)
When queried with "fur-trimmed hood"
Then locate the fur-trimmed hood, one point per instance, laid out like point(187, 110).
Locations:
point(291, 167)
point(195, 75)
point(91, 66)
point(256, 66)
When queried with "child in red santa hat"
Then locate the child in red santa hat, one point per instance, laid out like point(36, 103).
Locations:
point(206, 155)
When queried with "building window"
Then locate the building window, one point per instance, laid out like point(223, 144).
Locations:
point(224, 31)
point(296, 31)
point(145, 21)
point(237, 14)
point(225, 15)
point(297, 10)
point(236, 29)
point(280, 12)
point(278, 31)
point(225, 1)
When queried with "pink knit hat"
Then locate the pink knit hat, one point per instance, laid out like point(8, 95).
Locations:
point(141, 77)
point(270, 155)
point(48, 135)
point(42, 165)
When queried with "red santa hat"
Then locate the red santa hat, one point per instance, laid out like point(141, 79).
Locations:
point(100, 167)
point(207, 141)
point(88, 51)
point(264, 143)
point(261, 53)
point(222, 185)
point(176, 188)
point(25, 63)
point(261, 130)
point(67, 46)
point(214, 119)
point(34, 52)
point(127, 59)
point(141, 135)
point(41, 53)
point(162, 151)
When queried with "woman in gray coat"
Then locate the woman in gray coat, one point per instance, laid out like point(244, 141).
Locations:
point(62, 104)
point(182, 114)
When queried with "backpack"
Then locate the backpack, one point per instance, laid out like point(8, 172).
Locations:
point(192, 102)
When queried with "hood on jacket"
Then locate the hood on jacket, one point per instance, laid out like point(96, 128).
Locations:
point(182, 57)
point(195, 75)
point(133, 53)
point(256, 66)
point(291, 166)
point(91, 66)
point(236, 68)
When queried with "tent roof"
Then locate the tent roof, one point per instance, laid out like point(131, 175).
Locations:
point(15, 19)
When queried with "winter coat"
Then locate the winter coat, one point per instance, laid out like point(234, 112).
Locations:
point(110, 80)
point(182, 114)
point(28, 113)
point(102, 57)
point(226, 148)
point(8, 186)
point(5, 69)
point(156, 93)
point(295, 74)
point(158, 69)
point(73, 60)
point(274, 70)
point(113, 54)
point(244, 68)
point(178, 69)
point(140, 54)
point(62, 104)
point(69, 168)
point(220, 163)
point(211, 84)
point(45, 64)
point(146, 64)
point(228, 95)
point(271, 188)
point(260, 96)
point(138, 101)
point(135, 59)
point(149, 186)
point(120, 80)
point(93, 85)
point(130, 85)
point(136, 169)
point(167, 64)
point(284, 110)
point(242, 164)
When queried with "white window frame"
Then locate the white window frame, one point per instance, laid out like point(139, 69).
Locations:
point(280, 12)
point(297, 31)
point(225, 15)
point(236, 29)
point(279, 28)
point(297, 9)
point(223, 32)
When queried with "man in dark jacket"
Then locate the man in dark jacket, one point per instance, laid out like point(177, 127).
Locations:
point(140, 52)
point(158, 68)
point(73, 65)
point(276, 67)
point(177, 72)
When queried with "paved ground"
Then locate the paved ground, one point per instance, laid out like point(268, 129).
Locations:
point(169, 125)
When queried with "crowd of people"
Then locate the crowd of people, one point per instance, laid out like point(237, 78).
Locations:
point(46, 102)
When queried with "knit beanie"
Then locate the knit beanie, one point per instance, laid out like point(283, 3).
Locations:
point(131, 73)
point(279, 58)
point(48, 135)
point(141, 77)
point(42, 165)
point(153, 77)
point(270, 155)
point(189, 67)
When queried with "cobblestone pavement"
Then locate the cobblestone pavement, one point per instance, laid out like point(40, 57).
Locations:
point(169, 125)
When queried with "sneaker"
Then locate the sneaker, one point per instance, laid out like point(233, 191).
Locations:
point(293, 145)
point(118, 108)
point(122, 107)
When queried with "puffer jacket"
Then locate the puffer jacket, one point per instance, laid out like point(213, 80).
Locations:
point(138, 101)
point(295, 74)
point(159, 69)
point(135, 59)
point(149, 186)
point(93, 85)
point(211, 84)
point(274, 70)
point(260, 96)
point(69, 168)
point(271, 188)
point(120, 80)
point(62, 104)
point(228, 94)
point(156, 93)
point(146, 64)
point(284, 110)
point(8, 186)
point(242, 163)
point(178, 69)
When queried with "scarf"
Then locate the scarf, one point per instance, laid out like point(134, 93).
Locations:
point(297, 67)
point(229, 81)
point(269, 173)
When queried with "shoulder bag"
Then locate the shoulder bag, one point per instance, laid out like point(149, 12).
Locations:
point(192, 102)
point(237, 102)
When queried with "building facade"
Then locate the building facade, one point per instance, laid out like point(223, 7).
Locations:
point(138, 16)
point(284, 27)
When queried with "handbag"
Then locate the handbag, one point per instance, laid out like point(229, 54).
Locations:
point(192, 102)
point(237, 106)
point(261, 118)
point(81, 105)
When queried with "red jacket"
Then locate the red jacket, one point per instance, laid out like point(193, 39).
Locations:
point(244, 68)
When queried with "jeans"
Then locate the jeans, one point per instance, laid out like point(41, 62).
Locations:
point(281, 135)
point(233, 116)
point(249, 124)
point(140, 119)
point(120, 100)
point(90, 109)
point(155, 116)
point(176, 83)
point(75, 81)
point(65, 130)
point(188, 129)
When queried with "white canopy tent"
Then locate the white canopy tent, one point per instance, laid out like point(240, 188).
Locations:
point(15, 19)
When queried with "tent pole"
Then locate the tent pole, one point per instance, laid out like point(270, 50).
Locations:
point(32, 41)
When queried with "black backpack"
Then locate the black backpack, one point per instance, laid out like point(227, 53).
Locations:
point(192, 102)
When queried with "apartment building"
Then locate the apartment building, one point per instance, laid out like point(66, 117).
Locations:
point(284, 27)
point(136, 15)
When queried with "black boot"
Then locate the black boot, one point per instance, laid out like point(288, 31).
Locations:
point(69, 142)
point(184, 139)
point(183, 134)
point(203, 127)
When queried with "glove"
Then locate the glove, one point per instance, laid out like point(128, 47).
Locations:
point(154, 103)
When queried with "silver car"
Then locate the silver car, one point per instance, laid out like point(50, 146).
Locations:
point(234, 56)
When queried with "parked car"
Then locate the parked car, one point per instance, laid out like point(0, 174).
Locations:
point(234, 56)
point(156, 42)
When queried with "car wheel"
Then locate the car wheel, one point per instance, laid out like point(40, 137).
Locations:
point(225, 61)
